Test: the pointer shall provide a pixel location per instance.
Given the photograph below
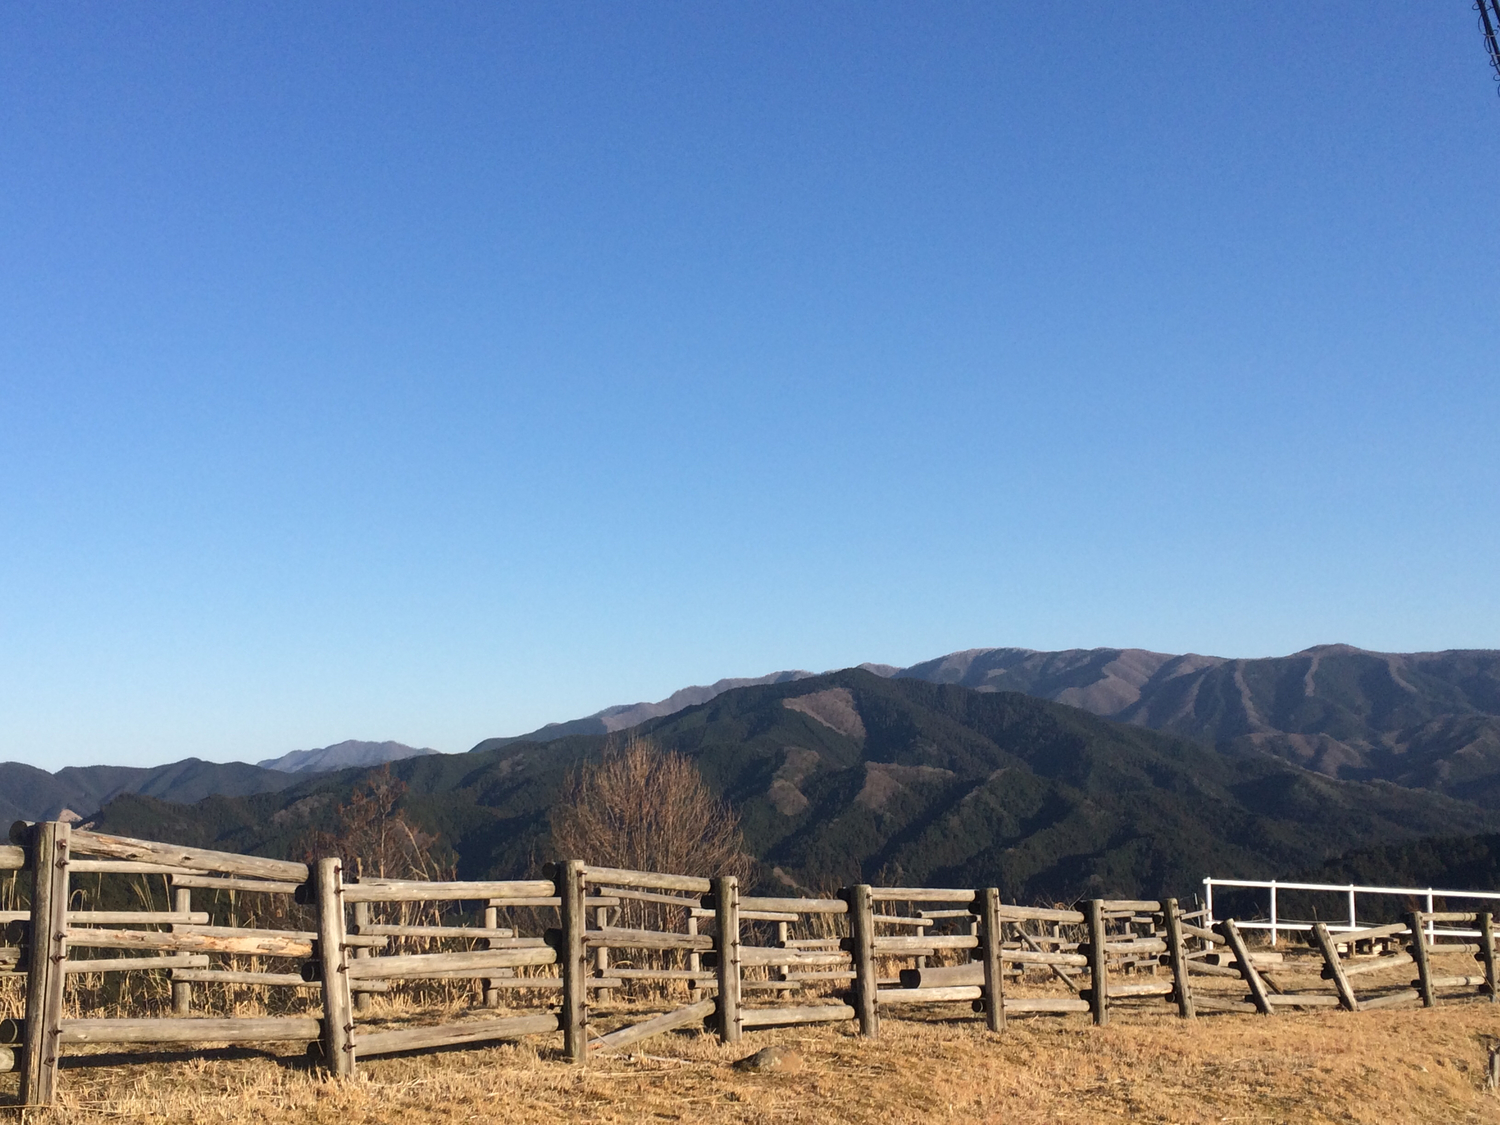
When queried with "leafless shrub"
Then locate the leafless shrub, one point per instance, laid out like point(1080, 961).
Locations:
point(648, 809)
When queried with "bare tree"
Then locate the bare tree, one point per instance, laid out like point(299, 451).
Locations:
point(648, 809)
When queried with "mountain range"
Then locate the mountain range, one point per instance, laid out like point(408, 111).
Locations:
point(852, 775)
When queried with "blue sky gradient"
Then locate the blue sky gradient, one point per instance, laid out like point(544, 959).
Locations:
point(433, 372)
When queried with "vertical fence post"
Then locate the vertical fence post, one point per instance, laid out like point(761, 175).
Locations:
point(182, 991)
point(1430, 928)
point(783, 935)
point(1177, 957)
point(574, 956)
point(862, 946)
point(1423, 983)
point(1353, 924)
point(601, 956)
point(1334, 968)
point(361, 920)
point(338, 1012)
point(727, 946)
point(1098, 966)
point(491, 922)
point(1273, 912)
point(994, 964)
point(40, 1046)
point(1208, 903)
point(695, 961)
point(1486, 927)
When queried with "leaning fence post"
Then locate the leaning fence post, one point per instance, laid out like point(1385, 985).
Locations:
point(1236, 942)
point(1334, 968)
point(994, 963)
point(1098, 967)
point(573, 954)
point(338, 1011)
point(727, 946)
point(40, 1045)
point(1178, 959)
point(862, 945)
point(1487, 952)
point(1423, 983)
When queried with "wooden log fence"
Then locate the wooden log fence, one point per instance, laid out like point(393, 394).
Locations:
point(870, 951)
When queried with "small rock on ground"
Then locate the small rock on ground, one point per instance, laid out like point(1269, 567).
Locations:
point(771, 1058)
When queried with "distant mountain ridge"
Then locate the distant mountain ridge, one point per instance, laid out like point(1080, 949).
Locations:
point(343, 755)
point(1428, 720)
point(28, 793)
point(851, 777)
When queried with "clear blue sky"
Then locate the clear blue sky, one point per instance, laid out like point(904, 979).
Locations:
point(430, 372)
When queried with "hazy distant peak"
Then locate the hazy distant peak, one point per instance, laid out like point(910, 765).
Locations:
point(343, 755)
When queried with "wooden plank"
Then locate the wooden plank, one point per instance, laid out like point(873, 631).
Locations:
point(412, 890)
point(1041, 914)
point(659, 1025)
point(648, 880)
point(1177, 959)
point(759, 956)
point(138, 964)
point(229, 976)
point(787, 905)
point(1131, 906)
point(1016, 1005)
point(1376, 964)
point(240, 1029)
point(172, 917)
point(125, 867)
point(926, 944)
point(1258, 990)
point(805, 1013)
point(333, 961)
point(233, 883)
point(1487, 953)
point(435, 966)
point(196, 859)
point(944, 995)
point(1304, 1000)
point(920, 894)
point(621, 938)
point(41, 1047)
point(1418, 950)
point(861, 902)
point(1334, 968)
point(1219, 1004)
point(730, 1013)
point(991, 957)
point(494, 933)
point(452, 1034)
point(570, 878)
point(259, 942)
point(1098, 968)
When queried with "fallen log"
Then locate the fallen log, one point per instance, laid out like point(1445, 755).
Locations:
point(451, 1034)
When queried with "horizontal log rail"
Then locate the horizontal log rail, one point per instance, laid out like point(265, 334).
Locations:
point(240, 1029)
point(229, 976)
point(234, 883)
point(420, 965)
point(194, 859)
point(1040, 914)
point(494, 933)
point(645, 880)
point(940, 994)
point(920, 894)
point(255, 942)
point(926, 943)
point(658, 1025)
point(759, 956)
point(616, 937)
point(392, 890)
point(452, 1034)
point(803, 1013)
point(137, 917)
point(138, 964)
point(784, 905)
point(12, 857)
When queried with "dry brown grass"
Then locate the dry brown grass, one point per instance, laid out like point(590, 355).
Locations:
point(1389, 1066)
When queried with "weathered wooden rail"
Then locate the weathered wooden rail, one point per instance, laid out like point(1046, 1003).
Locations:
point(735, 962)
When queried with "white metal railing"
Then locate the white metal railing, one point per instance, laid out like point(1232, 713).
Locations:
point(1352, 890)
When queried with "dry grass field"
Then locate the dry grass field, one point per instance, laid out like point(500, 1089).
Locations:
point(1387, 1066)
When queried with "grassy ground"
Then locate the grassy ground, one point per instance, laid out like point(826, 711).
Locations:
point(1387, 1066)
